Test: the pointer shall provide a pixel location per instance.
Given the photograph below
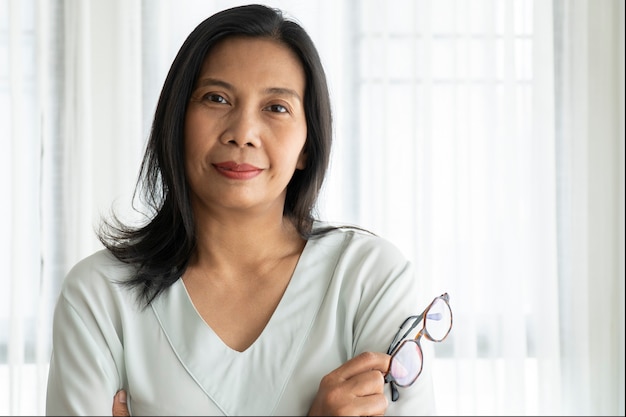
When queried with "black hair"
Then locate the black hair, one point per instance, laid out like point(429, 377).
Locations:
point(160, 249)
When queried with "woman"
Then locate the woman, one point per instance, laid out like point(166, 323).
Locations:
point(232, 298)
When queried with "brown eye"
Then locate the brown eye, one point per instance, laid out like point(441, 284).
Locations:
point(215, 98)
point(277, 108)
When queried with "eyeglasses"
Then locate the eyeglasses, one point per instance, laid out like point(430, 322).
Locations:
point(406, 354)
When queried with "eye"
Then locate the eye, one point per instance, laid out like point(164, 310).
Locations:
point(277, 108)
point(215, 98)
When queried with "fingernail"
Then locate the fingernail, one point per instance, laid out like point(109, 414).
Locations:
point(121, 396)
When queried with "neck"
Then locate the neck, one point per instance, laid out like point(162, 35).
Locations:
point(245, 241)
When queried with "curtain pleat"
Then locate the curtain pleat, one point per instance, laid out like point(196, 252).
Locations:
point(23, 192)
point(590, 148)
point(49, 53)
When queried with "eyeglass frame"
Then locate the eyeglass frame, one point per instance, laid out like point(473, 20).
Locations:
point(397, 342)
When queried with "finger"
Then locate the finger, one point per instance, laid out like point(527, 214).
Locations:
point(348, 399)
point(370, 405)
point(367, 383)
point(120, 407)
point(366, 361)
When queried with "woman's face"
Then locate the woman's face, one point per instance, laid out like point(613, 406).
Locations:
point(245, 127)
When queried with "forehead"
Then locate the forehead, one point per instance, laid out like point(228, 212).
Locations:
point(253, 59)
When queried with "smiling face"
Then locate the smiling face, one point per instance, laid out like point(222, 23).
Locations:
point(245, 127)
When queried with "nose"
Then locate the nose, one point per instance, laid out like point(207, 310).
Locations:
point(243, 129)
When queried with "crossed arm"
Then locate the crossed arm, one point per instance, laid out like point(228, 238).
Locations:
point(356, 388)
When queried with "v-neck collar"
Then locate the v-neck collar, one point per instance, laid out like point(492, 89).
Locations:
point(249, 382)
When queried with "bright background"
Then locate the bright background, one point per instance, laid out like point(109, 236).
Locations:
point(485, 138)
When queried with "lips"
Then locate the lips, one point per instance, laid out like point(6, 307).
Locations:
point(233, 170)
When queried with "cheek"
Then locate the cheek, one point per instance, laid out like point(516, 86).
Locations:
point(295, 154)
point(299, 149)
point(194, 148)
point(197, 135)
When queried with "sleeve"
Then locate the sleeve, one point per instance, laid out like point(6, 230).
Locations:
point(389, 294)
point(83, 375)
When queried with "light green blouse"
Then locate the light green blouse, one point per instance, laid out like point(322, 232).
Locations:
point(348, 294)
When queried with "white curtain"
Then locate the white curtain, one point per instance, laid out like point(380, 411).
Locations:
point(589, 132)
point(459, 168)
point(484, 137)
point(71, 131)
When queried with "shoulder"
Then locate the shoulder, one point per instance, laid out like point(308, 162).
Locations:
point(95, 276)
point(373, 287)
point(361, 259)
point(97, 267)
point(360, 245)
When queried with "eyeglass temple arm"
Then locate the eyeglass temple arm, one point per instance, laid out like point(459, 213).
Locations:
point(397, 338)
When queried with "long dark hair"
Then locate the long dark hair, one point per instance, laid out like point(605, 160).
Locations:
point(160, 249)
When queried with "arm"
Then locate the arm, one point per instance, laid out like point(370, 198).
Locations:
point(378, 291)
point(86, 349)
point(354, 389)
point(79, 367)
point(389, 293)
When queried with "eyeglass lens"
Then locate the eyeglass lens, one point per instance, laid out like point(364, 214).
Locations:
point(407, 363)
point(438, 320)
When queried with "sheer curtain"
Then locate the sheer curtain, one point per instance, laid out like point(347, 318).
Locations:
point(453, 111)
point(484, 137)
point(71, 129)
point(589, 135)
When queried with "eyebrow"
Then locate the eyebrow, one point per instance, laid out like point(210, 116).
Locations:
point(204, 82)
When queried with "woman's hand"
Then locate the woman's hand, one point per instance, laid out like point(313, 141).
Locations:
point(356, 388)
point(120, 408)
